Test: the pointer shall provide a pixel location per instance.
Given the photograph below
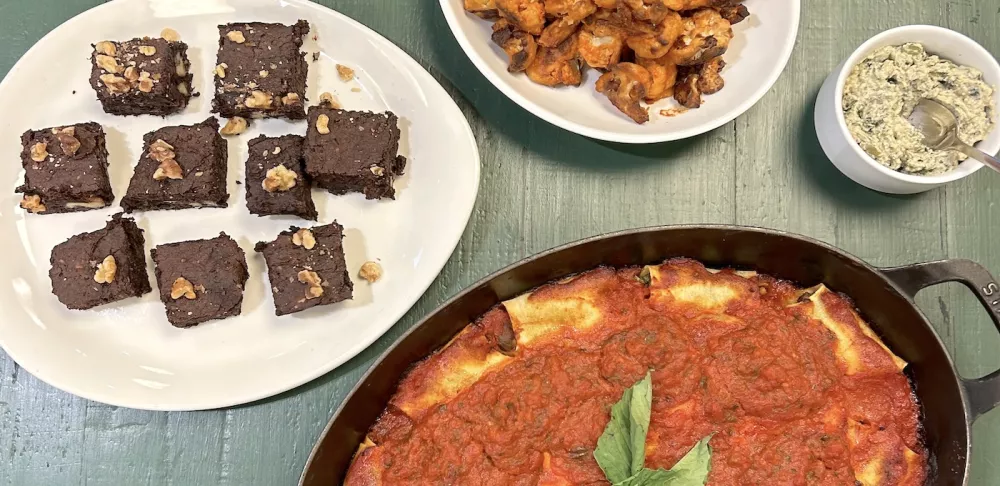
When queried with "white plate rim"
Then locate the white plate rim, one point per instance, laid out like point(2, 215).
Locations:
point(612, 136)
point(196, 404)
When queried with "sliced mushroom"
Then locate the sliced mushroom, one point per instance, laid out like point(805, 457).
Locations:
point(601, 45)
point(524, 15)
point(706, 35)
point(664, 75)
point(485, 9)
point(656, 45)
point(557, 66)
point(519, 46)
point(625, 85)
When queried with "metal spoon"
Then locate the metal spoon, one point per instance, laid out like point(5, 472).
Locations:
point(939, 127)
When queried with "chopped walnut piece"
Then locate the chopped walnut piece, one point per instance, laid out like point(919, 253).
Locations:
point(145, 83)
point(183, 89)
point(279, 179)
point(170, 35)
point(168, 169)
point(32, 203)
point(323, 124)
point(258, 99)
point(315, 283)
point(106, 270)
point(236, 36)
point(131, 73)
point(304, 238)
point(39, 151)
point(346, 74)
point(290, 99)
point(182, 288)
point(326, 98)
point(106, 47)
point(115, 84)
point(370, 271)
point(263, 74)
point(147, 50)
point(67, 140)
point(377, 170)
point(235, 126)
point(108, 63)
point(220, 70)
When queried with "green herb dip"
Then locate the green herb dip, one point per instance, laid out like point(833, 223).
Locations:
point(882, 90)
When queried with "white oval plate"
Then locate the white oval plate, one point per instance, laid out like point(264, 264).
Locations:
point(126, 353)
point(757, 55)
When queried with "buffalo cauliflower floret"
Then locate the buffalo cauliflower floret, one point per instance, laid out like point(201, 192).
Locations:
point(625, 86)
point(694, 81)
point(656, 45)
point(557, 66)
point(486, 9)
point(664, 76)
point(524, 15)
point(682, 5)
point(710, 76)
point(706, 35)
point(575, 10)
point(519, 46)
point(558, 31)
point(601, 45)
point(652, 11)
point(734, 14)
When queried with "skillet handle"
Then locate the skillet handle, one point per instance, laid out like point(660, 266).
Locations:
point(983, 393)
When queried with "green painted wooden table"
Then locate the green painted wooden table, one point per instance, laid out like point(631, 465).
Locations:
point(542, 187)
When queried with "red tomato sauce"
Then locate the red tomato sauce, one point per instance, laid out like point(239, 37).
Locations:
point(763, 380)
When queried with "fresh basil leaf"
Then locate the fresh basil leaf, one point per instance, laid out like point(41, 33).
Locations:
point(694, 467)
point(621, 449)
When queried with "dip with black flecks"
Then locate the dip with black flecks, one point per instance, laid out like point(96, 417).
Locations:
point(882, 90)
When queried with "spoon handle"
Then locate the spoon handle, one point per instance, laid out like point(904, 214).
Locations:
point(981, 156)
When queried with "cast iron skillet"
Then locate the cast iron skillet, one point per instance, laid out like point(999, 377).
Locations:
point(884, 296)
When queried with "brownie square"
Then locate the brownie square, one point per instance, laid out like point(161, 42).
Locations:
point(260, 72)
point(276, 182)
point(353, 151)
point(306, 268)
point(201, 280)
point(180, 167)
point(100, 267)
point(141, 76)
point(65, 169)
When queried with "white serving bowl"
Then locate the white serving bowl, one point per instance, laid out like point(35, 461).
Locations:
point(847, 155)
point(757, 55)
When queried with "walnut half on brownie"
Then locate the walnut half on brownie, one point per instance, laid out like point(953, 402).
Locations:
point(260, 72)
point(141, 76)
point(65, 169)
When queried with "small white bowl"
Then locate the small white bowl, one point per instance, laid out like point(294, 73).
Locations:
point(757, 55)
point(844, 151)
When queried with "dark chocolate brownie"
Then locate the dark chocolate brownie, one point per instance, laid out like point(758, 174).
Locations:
point(104, 266)
point(201, 280)
point(141, 76)
point(353, 151)
point(306, 268)
point(276, 182)
point(180, 167)
point(260, 72)
point(65, 169)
